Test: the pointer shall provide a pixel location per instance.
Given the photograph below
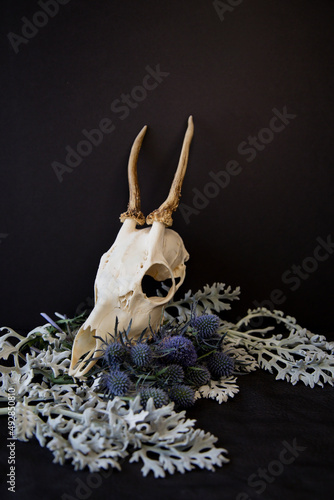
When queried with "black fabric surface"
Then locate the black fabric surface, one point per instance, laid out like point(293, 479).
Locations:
point(254, 426)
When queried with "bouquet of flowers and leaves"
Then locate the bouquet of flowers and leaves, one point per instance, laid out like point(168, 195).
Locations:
point(132, 403)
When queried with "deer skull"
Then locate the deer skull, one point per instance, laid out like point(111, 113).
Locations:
point(154, 251)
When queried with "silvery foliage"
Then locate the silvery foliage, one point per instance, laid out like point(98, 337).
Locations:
point(298, 356)
point(211, 299)
point(77, 424)
point(220, 390)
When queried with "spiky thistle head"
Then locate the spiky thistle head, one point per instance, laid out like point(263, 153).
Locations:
point(197, 375)
point(178, 349)
point(114, 353)
point(141, 355)
point(171, 374)
point(206, 325)
point(220, 365)
point(160, 397)
point(182, 395)
point(115, 383)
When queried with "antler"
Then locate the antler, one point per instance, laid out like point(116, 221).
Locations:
point(164, 212)
point(133, 211)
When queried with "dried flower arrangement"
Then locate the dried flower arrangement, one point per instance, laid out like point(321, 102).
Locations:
point(131, 403)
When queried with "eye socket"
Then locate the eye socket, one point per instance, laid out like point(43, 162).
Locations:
point(150, 286)
point(158, 278)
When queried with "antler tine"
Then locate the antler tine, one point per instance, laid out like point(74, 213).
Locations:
point(164, 212)
point(133, 211)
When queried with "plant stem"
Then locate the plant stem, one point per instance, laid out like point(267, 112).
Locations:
point(267, 314)
point(245, 335)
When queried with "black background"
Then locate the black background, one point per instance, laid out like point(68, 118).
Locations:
point(229, 74)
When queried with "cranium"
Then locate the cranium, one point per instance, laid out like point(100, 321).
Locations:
point(154, 251)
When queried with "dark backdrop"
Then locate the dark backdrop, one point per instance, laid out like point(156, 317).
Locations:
point(267, 226)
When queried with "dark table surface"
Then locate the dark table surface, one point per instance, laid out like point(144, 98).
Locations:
point(279, 437)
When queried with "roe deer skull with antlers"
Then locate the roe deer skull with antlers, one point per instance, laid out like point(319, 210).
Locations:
point(153, 251)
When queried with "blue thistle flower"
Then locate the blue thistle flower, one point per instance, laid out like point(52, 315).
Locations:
point(114, 353)
point(172, 374)
point(220, 365)
point(206, 325)
point(160, 397)
point(178, 349)
point(198, 375)
point(141, 355)
point(116, 383)
point(182, 395)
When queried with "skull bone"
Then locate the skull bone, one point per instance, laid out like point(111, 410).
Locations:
point(155, 251)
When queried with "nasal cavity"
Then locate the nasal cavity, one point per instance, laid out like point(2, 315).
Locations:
point(157, 281)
